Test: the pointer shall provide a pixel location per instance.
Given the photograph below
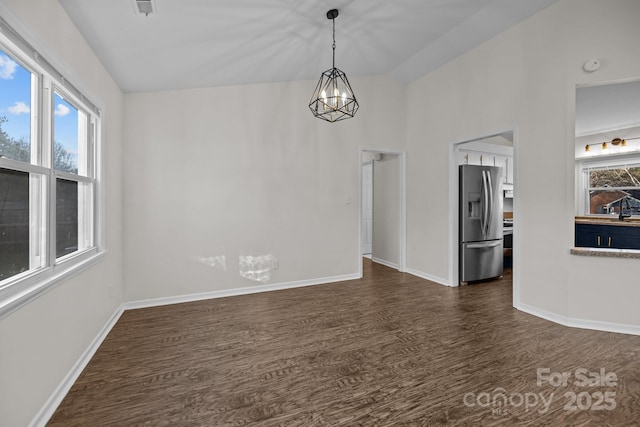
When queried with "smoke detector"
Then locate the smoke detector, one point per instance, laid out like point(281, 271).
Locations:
point(144, 6)
point(591, 65)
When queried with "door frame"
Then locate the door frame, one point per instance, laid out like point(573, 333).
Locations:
point(402, 205)
point(453, 209)
point(367, 163)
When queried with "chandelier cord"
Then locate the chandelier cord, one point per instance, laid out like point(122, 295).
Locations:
point(334, 42)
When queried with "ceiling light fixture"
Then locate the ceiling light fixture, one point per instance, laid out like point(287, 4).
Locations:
point(615, 141)
point(618, 141)
point(333, 98)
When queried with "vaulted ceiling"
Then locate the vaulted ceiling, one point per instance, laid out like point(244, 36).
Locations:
point(204, 43)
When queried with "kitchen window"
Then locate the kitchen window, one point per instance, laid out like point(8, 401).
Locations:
point(608, 182)
point(49, 158)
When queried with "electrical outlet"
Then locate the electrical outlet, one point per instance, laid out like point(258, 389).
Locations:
point(275, 264)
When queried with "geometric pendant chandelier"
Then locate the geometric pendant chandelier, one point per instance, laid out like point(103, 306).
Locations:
point(333, 99)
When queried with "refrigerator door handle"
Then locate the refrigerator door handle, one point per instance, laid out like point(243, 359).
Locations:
point(484, 244)
point(490, 207)
point(485, 205)
point(482, 205)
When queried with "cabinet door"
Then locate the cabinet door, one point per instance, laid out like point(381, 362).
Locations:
point(501, 161)
point(622, 237)
point(487, 159)
point(589, 236)
point(474, 158)
point(509, 174)
point(461, 158)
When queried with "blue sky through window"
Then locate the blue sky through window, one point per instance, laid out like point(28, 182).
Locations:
point(15, 105)
point(65, 126)
point(15, 98)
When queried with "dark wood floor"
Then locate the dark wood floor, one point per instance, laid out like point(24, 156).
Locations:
point(390, 349)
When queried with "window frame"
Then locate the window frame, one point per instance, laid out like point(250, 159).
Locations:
point(609, 162)
point(23, 287)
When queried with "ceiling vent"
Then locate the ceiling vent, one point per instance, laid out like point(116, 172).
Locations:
point(144, 6)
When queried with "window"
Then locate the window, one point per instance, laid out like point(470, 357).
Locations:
point(610, 183)
point(48, 172)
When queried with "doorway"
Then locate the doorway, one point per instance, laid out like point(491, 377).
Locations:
point(496, 149)
point(382, 207)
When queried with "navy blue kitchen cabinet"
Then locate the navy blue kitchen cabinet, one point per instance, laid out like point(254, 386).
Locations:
point(607, 236)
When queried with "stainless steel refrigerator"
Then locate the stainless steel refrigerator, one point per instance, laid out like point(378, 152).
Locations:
point(481, 247)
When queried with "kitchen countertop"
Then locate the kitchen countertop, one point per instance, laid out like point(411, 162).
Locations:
point(607, 253)
point(608, 220)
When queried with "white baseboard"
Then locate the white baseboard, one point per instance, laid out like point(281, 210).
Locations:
point(385, 262)
point(544, 314)
point(45, 413)
point(572, 322)
point(154, 302)
point(429, 277)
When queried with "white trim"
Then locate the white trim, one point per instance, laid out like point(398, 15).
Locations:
point(454, 239)
point(543, 314)
point(385, 262)
point(606, 130)
point(45, 413)
point(155, 302)
point(571, 322)
point(33, 285)
point(516, 250)
point(11, 164)
point(360, 207)
point(402, 238)
point(430, 277)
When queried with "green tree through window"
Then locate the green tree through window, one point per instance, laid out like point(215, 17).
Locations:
point(20, 149)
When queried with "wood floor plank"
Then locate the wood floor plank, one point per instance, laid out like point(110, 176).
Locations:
point(390, 349)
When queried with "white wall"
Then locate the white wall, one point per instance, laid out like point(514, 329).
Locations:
point(237, 171)
point(40, 342)
point(386, 211)
point(525, 78)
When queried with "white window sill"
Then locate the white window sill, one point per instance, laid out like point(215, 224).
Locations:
point(33, 285)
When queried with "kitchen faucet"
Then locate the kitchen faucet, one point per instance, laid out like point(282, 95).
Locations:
point(622, 215)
